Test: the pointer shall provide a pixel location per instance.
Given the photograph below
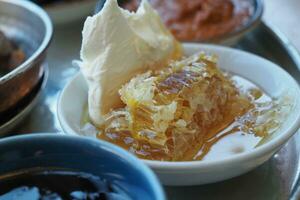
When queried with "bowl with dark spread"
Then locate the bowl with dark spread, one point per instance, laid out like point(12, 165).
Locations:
point(48, 166)
point(212, 21)
point(25, 34)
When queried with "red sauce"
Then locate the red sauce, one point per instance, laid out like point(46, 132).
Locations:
point(200, 20)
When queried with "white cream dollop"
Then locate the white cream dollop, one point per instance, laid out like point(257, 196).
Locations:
point(116, 46)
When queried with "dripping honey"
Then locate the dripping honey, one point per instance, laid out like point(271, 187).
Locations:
point(209, 107)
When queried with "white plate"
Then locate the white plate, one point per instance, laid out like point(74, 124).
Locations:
point(270, 77)
point(61, 13)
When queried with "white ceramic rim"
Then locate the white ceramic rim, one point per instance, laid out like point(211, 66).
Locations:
point(46, 41)
point(270, 146)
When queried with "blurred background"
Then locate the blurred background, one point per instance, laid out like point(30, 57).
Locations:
point(285, 15)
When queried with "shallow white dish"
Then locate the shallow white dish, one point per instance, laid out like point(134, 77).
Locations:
point(270, 77)
point(62, 13)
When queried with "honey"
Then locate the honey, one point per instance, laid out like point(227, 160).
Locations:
point(180, 112)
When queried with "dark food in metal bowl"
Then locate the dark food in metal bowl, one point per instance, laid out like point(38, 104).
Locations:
point(10, 55)
point(30, 29)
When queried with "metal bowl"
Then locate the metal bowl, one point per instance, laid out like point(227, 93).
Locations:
point(227, 39)
point(46, 151)
point(31, 29)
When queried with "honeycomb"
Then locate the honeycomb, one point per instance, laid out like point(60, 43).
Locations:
point(170, 114)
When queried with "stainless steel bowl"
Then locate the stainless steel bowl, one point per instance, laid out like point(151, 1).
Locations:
point(228, 39)
point(31, 29)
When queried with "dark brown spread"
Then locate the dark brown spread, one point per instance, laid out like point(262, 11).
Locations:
point(58, 185)
point(200, 20)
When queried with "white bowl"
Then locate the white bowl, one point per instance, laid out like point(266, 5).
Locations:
point(270, 77)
